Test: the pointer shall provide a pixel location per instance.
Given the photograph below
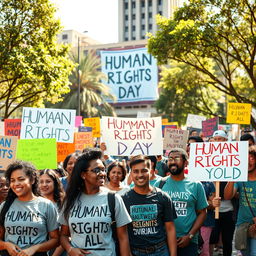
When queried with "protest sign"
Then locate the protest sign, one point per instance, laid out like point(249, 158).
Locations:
point(209, 126)
point(42, 153)
point(132, 136)
point(2, 128)
point(164, 121)
point(132, 75)
point(239, 113)
point(45, 123)
point(170, 126)
point(174, 138)
point(195, 121)
point(8, 146)
point(93, 122)
point(63, 150)
point(83, 140)
point(141, 114)
point(84, 129)
point(253, 113)
point(12, 127)
point(78, 121)
point(218, 161)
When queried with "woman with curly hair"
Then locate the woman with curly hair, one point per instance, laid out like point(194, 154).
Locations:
point(28, 222)
point(86, 214)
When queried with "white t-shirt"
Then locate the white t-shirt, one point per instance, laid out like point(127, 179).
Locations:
point(90, 223)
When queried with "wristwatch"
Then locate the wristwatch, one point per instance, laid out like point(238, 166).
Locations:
point(190, 236)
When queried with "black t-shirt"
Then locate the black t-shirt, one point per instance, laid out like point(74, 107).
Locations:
point(148, 213)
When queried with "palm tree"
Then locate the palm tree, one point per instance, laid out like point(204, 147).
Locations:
point(93, 92)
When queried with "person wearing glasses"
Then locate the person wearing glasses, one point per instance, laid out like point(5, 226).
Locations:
point(86, 216)
point(189, 201)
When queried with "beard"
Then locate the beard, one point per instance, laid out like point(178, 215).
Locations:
point(175, 171)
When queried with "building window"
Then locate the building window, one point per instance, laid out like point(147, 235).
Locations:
point(133, 28)
point(159, 2)
point(143, 37)
point(126, 17)
point(160, 12)
point(133, 16)
point(142, 27)
point(150, 14)
point(149, 2)
point(126, 29)
point(150, 26)
point(133, 38)
point(143, 15)
point(142, 3)
point(64, 36)
point(133, 4)
point(126, 39)
point(126, 5)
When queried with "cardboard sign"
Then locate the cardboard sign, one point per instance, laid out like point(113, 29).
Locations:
point(168, 126)
point(84, 129)
point(78, 121)
point(83, 140)
point(239, 113)
point(132, 75)
point(174, 138)
point(8, 146)
point(12, 127)
point(2, 128)
point(218, 161)
point(42, 153)
point(63, 150)
point(45, 123)
point(132, 136)
point(195, 121)
point(209, 126)
point(93, 122)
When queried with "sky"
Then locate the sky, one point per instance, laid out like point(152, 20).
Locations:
point(98, 17)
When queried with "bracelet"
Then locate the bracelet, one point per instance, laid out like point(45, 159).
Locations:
point(70, 249)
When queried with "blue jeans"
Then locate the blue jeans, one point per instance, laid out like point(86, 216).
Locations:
point(251, 248)
point(163, 251)
point(190, 250)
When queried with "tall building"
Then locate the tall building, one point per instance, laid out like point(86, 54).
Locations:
point(137, 17)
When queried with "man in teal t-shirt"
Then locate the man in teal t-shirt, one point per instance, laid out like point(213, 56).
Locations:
point(189, 200)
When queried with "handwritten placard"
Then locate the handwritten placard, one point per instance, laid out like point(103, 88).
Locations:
point(239, 113)
point(2, 128)
point(45, 123)
point(209, 126)
point(132, 136)
point(8, 146)
point(40, 152)
point(12, 127)
point(93, 122)
point(174, 138)
point(64, 149)
point(195, 121)
point(83, 140)
point(84, 129)
point(78, 121)
point(218, 161)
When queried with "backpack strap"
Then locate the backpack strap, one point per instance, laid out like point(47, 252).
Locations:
point(162, 182)
point(112, 203)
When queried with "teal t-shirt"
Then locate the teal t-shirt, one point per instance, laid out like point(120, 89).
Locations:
point(244, 213)
point(187, 196)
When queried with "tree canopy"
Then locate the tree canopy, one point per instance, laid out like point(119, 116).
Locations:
point(213, 31)
point(93, 92)
point(33, 67)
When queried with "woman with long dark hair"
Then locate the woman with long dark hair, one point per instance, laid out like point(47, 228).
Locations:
point(28, 222)
point(86, 214)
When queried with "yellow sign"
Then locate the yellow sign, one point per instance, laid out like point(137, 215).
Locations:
point(164, 120)
point(239, 113)
point(93, 122)
point(172, 123)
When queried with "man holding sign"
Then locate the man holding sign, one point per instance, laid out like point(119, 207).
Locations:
point(247, 198)
point(189, 200)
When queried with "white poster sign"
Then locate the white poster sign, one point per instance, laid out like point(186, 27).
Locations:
point(218, 161)
point(132, 136)
point(195, 121)
point(174, 138)
point(2, 128)
point(132, 75)
point(46, 123)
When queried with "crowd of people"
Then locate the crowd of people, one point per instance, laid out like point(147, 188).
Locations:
point(141, 205)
